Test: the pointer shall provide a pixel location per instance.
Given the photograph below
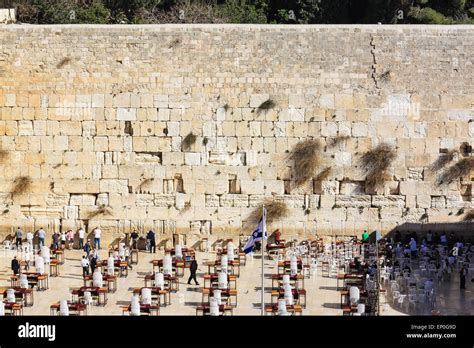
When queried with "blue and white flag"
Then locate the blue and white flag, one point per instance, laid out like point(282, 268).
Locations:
point(257, 234)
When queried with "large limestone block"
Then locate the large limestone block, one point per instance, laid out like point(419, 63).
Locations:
point(329, 129)
point(82, 199)
point(192, 158)
point(392, 201)
point(353, 201)
point(415, 188)
point(113, 186)
point(252, 186)
point(126, 114)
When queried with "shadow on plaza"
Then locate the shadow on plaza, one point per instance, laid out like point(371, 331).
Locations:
point(448, 287)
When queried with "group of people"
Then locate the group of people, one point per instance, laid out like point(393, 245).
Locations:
point(59, 240)
point(428, 247)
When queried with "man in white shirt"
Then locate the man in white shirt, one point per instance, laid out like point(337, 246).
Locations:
point(97, 233)
point(85, 266)
point(41, 237)
point(29, 238)
point(81, 238)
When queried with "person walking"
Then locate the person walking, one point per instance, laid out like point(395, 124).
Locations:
point(193, 268)
point(462, 277)
point(88, 247)
point(56, 240)
point(151, 241)
point(134, 237)
point(93, 264)
point(81, 233)
point(15, 266)
point(19, 236)
point(365, 237)
point(97, 234)
point(29, 239)
point(63, 240)
point(41, 237)
point(85, 266)
point(70, 239)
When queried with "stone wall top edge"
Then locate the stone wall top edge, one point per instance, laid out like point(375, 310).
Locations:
point(368, 27)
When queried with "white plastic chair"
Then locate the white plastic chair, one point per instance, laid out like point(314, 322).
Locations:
point(87, 298)
point(11, 295)
point(159, 280)
point(63, 308)
point(222, 281)
point(354, 294)
point(218, 296)
point(23, 281)
point(282, 311)
point(97, 279)
point(146, 296)
point(167, 264)
point(135, 306)
point(214, 307)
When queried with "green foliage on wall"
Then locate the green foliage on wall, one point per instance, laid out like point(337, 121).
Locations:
point(245, 11)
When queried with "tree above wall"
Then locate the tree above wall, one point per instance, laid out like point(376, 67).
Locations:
point(244, 11)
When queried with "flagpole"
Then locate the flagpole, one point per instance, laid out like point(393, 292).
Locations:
point(263, 237)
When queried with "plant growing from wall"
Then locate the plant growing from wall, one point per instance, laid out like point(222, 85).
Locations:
point(188, 141)
point(305, 159)
point(456, 171)
point(100, 211)
point(266, 105)
point(469, 216)
point(63, 62)
point(443, 160)
point(21, 185)
point(275, 210)
point(324, 174)
point(375, 164)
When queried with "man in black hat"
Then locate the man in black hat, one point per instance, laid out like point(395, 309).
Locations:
point(193, 268)
point(151, 241)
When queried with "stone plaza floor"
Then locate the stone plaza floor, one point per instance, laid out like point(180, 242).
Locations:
point(322, 295)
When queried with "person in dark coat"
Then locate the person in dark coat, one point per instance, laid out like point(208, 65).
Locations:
point(15, 266)
point(193, 268)
point(151, 241)
point(93, 263)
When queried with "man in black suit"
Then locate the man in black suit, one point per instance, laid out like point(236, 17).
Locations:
point(193, 268)
point(15, 266)
point(151, 241)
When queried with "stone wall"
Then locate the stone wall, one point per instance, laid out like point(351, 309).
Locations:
point(99, 117)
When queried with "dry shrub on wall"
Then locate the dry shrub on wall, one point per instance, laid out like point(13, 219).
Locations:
point(324, 174)
point(21, 185)
point(443, 160)
point(305, 158)
point(266, 105)
point(102, 210)
point(63, 62)
point(457, 170)
point(188, 141)
point(275, 210)
point(376, 162)
point(469, 216)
